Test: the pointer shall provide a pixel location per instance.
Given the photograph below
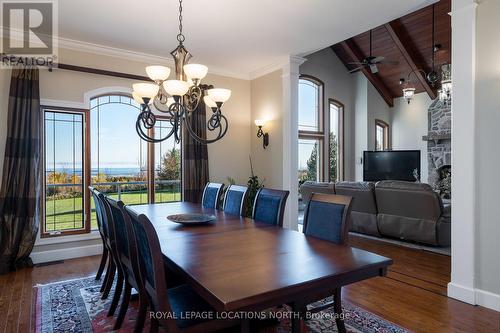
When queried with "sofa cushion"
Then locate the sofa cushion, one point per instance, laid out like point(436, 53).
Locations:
point(363, 194)
point(309, 187)
point(406, 199)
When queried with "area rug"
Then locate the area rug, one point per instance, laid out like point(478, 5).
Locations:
point(76, 306)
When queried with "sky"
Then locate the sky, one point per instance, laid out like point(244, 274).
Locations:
point(114, 141)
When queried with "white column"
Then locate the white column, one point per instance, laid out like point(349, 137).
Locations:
point(291, 139)
point(463, 143)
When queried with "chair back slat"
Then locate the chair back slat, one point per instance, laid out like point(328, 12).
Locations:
point(211, 195)
point(327, 217)
point(235, 200)
point(151, 265)
point(99, 212)
point(269, 206)
point(118, 226)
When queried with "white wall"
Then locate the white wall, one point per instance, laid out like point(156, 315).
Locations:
point(267, 103)
point(361, 123)
point(377, 109)
point(487, 104)
point(339, 85)
point(409, 124)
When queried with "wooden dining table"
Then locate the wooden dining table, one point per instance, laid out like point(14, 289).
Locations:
point(238, 264)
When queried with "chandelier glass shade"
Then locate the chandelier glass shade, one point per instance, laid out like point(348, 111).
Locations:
point(179, 98)
point(408, 94)
point(444, 93)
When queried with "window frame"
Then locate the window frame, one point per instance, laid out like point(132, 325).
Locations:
point(86, 158)
point(320, 134)
point(85, 177)
point(341, 129)
point(386, 145)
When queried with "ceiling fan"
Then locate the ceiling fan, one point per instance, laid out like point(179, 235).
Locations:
point(371, 61)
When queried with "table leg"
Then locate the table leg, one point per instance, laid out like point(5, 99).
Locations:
point(337, 306)
point(245, 326)
point(297, 322)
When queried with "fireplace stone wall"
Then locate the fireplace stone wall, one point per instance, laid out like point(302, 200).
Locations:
point(438, 140)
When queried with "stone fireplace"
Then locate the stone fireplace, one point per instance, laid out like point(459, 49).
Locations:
point(439, 147)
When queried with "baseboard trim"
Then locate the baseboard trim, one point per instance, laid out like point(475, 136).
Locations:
point(488, 300)
point(474, 296)
point(461, 293)
point(63, 254)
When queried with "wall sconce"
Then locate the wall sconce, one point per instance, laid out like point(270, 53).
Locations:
point(260, 133)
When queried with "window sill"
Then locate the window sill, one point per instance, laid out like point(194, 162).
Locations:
point(94, 234)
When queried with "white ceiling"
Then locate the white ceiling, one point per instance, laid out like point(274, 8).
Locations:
point(236, 36)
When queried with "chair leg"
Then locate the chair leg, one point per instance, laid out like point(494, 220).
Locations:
point(154, 327)
point(109, 280)
point(117, 294)
point(141, 315)
point(102, 265)
point(108, 273)
point(337, 306)
point(123, 306)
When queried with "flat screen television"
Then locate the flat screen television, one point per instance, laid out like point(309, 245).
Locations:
point(391, 165)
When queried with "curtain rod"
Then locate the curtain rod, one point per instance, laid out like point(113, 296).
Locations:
point(51, 66)
point(90, 70)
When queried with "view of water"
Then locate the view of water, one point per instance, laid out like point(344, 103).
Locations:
point(124, 172)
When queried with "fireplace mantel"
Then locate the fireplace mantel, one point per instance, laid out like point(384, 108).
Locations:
point(436, 137)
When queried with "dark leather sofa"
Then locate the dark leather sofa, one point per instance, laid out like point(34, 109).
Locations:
point(404, 210)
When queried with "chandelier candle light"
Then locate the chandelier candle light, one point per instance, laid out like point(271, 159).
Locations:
point(179, 98)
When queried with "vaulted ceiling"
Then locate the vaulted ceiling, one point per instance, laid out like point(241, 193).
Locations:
point(407, 40)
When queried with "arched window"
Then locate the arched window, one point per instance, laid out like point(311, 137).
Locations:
point(336, 141)
point(381, 135)
point(311, 134)
point(99, 147)
point(121, 161)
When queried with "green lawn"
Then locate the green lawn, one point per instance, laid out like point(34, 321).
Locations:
point(64, 214)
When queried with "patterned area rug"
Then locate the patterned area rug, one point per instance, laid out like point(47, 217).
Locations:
point(76, 306)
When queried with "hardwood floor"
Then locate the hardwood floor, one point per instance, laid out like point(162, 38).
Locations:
point(412, 295)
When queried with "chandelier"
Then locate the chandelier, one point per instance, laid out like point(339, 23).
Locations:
point(179, 98)
point(445, 92)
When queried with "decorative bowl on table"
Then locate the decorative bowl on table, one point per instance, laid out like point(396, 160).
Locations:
point(192, 218)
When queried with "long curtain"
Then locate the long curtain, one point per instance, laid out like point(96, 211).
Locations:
point(21, 186)
point(195, 157)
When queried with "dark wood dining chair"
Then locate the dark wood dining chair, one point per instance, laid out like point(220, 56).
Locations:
point(211, 195)
point(235, 200)
point(174, 301)
point(107, 243)
point(105, 252)
point(269, 206)
point(327, 216)
point(128, 275)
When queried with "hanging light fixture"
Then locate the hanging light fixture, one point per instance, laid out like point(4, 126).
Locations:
point(446, 86)
point(408, 94)
point(179, 97)
point(408, 86)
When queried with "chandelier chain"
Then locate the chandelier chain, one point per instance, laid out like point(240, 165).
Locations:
point(180, 36)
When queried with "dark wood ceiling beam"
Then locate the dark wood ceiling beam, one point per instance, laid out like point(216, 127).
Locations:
point(410, 55)
point(356, 55)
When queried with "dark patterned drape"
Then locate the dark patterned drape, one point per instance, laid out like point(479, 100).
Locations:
point(20, 190)
point(195, 157)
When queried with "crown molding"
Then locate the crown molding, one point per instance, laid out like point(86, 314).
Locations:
point(277, 65)
point(103, 50)
point(97, 49)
